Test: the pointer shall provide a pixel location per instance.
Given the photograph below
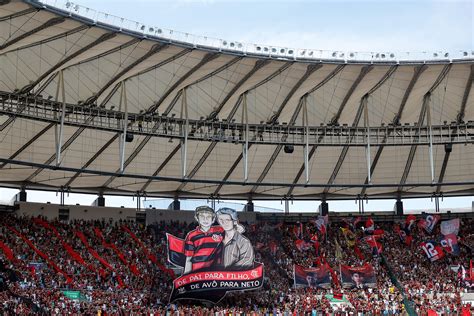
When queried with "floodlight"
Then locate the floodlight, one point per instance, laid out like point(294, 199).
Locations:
point(259, 48)
point(446, 55)
point(290, 52)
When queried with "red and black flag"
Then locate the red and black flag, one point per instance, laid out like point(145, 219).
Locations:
point(176, 250)
point(429, 221)
point(432, 250)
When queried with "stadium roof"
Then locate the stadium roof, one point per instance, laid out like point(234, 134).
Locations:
point(220, 119)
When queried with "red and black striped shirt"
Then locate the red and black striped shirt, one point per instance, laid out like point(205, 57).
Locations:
point(203, 247)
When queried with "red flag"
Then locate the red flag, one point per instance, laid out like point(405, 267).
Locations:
point(410, 220)
point(432, 313)
point(369, 225)
point(466, 311)
point(372, 242)
point(7, 251)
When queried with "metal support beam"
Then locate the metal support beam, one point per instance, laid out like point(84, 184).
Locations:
point(459, 119)
point(430, 135)
point(206, 59)
point(306, 137)
point(154, 49)
point(309, 71)
point(56, 67)
point(258, 64)
point(18, 14)
point(367, 125)
point(416, 74)
point(426, 100)
point(59, 133)
point(185, 128)
point(123, 102)
point(49, 23)
point(245, 146)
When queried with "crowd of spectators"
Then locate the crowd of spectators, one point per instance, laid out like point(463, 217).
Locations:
point(120, 268)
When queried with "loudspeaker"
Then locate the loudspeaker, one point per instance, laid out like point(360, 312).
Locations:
point(175, 205)
point(289, 149)
point(249, 207)
point(100, 201)
point(399, 207)
point(448, 148)
point(22, 196)
point(129, 138)
point(323, 209)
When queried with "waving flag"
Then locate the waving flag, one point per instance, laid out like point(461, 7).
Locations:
point(450, 227)
point(432, 250)
point(410, 220)
point(369, 225)
point(321, 223)
point(374, 244)
point(429, 221)
point(450, 244)
point(302, 245)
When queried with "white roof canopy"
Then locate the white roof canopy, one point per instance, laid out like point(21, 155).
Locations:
point(49, 55)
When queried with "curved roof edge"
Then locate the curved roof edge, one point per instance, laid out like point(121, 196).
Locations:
point(93, 17)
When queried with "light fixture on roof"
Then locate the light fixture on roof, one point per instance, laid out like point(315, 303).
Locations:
point(290, 52)
point(142, 27)
point(265, 49)
point(392, 55)
point(68, 4)
point(446, 55)
point(282, 51)
point(302, 52)
point(435, 54)
point(239, 45)
point(274, 50)
point(351, 55)
point(310, 53)
point(150, 29)
point(465, 53)
point(259, 48)
point(224, 43)
point(232, 44)
point(334, 54)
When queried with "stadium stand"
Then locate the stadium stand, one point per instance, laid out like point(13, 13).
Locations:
point(96, 267)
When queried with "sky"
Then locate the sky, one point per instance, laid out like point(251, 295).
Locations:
point(362, 26)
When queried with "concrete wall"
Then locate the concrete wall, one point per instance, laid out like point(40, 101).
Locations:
point(85, 212)
point(51, 211)
point(153, 216)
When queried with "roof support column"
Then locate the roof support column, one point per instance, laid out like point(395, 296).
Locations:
point(245, 145)
point(184, 132)
point(430, 135)
point(123, 139)
point(59, 133)
point(367, 125)
point(306, 139)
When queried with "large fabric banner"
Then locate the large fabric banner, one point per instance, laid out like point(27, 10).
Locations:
point(358, 277)
point(450, 227)
point(215, 259)
point(429, 221)
point(312, 277)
